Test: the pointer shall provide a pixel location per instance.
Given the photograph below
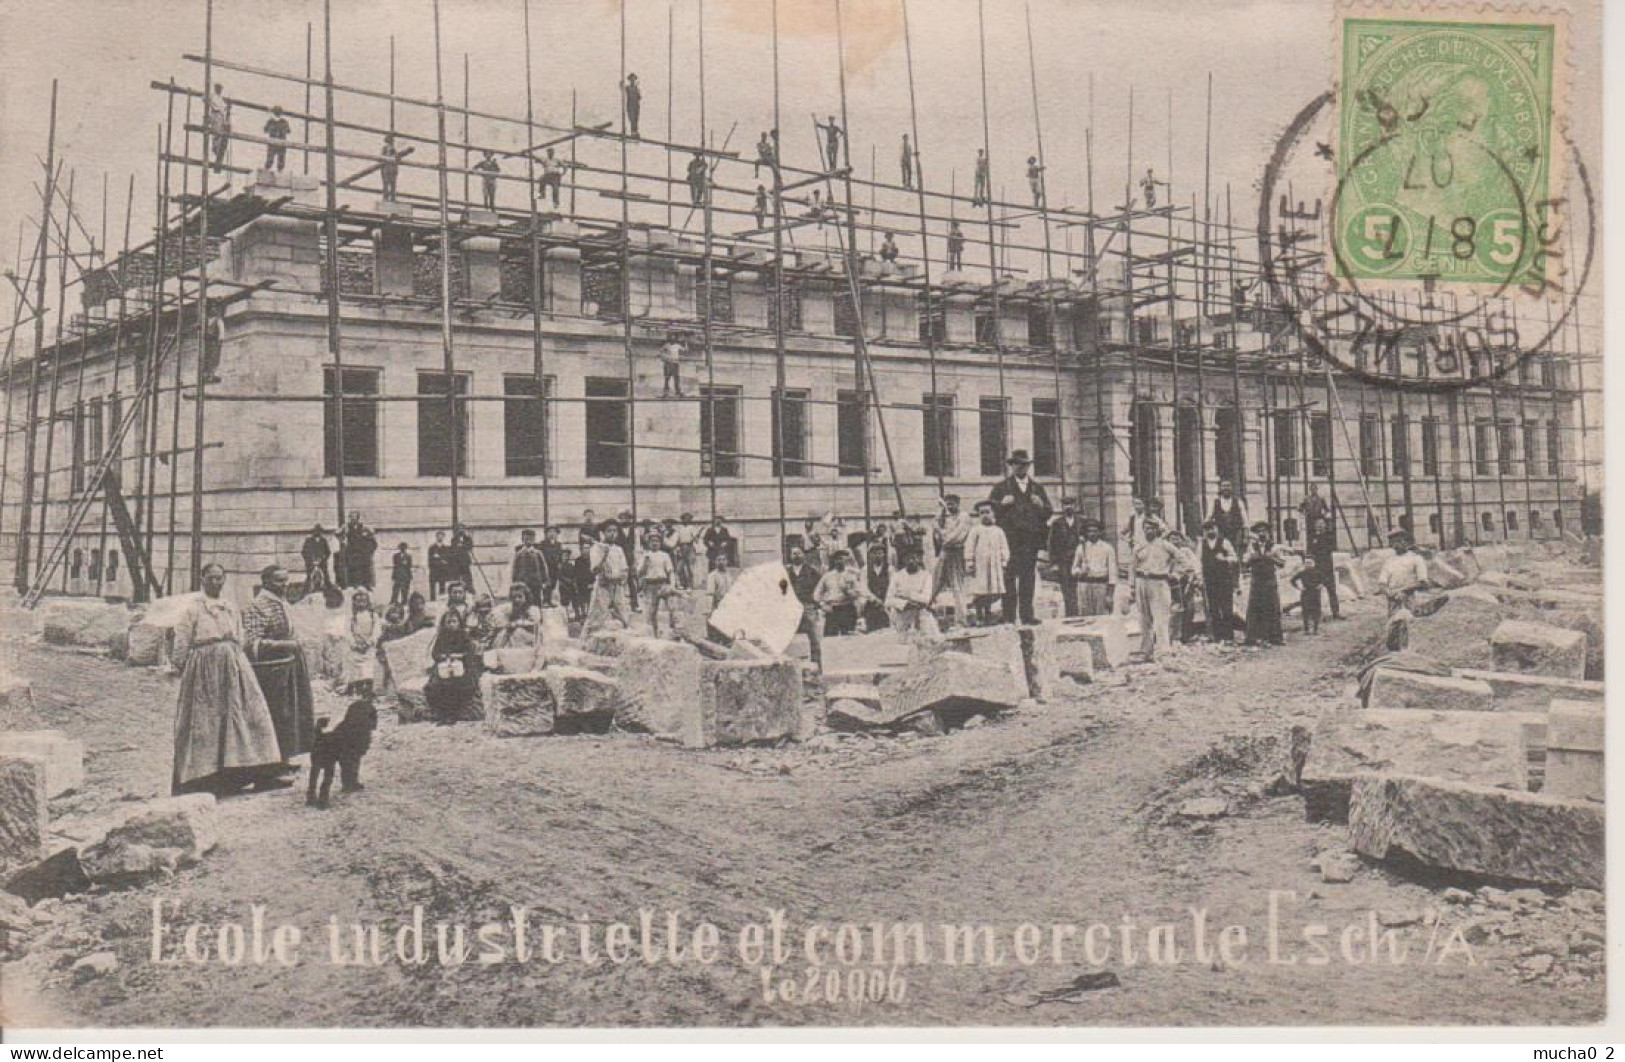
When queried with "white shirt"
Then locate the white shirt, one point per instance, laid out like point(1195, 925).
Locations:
point(1402, 572)
point(908, 589)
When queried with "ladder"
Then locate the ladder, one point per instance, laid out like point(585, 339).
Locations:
point(105, 480)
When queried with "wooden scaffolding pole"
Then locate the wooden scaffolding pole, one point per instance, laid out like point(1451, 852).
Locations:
point(330, 233)
point(538, 358)
point(449, 363)
point(66, 245)
point(1049, 275)
point(110, 423)
point(203, 327)
point(25, 518)
point(925, 238)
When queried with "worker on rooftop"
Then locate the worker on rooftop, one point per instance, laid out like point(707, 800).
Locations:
point(389, 166)
point(632, 93)
point(217, 123)
point(981, 193)
point(699, 175)
point(276, 131)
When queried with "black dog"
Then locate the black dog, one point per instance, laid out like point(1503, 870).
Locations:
point(344, 745)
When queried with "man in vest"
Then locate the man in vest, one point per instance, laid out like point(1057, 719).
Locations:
point(1230, 513)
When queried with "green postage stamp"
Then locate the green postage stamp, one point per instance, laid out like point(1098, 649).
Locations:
point(1447, 161)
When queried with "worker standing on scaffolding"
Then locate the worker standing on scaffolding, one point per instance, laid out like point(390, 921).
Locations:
point(633, 95)
point(276, 131)
point(761, 207)
point(956, 246)
point(699, 176)
point(389, 168)
point(888, 249)
point(767, 153)
point(833, 134)
point(218, 124)
point(488, 169)
point(552, 176)
point(982, 192)
point(1035, 180)
point(671, 363)
point(906, 161)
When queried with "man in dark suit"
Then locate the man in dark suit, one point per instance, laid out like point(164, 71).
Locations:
point(1064, 535)
point(1022, 509)
point(804, 579)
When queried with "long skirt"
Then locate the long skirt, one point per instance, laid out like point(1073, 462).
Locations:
point(453, 700)
point(285, 682)
point(222, 724)
point(1264, 609)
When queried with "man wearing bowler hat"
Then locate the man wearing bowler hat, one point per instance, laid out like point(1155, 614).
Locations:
point(1023, 510)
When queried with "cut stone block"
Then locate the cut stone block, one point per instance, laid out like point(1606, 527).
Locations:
point(999, 645)
point(1536, 648)
point(1485, 748)
point(1392, 688)
point(555, 625)
point(859, 654)
point(23, 815)
point(761, 606)
point(56, 875)
point(1467, 561)
point(745, 701)
point(956, 682)
point(1062, 652)
point(407, 659)
point(411, 706)
point(518, 705)
point(580, 691)
point(16, 701)
point(86, 625)
point(152, 636)
point(1109, 640)
point(658, 685)
point(1574, 753)
point(64, 757)
point(611, 643)
point(1445, 574)
point(1496, 833)
point(862, 692)
point(1517, 692)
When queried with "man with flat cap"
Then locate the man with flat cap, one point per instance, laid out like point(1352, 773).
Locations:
point(1022, 509)
point(1094, 570)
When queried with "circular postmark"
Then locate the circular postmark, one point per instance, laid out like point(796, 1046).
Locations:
point(1359, 282)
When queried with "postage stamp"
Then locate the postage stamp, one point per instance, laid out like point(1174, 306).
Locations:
point(1447, 161)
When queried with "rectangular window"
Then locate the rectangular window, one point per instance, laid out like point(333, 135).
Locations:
point(984, 327)
point(77, 461)
point(1548, 372)
point(1481, 447)
point(1554, 448)
point(1531, 444)
point(939, 434)
point(1145, 330)
point(851, 432)
point(608, 427)
point(1320, 444)
point(719, 431)
point(1286, 443)
point(993, 421)
point(360, 414)
point(846, 315)
point(1038, 329)
point(790, 425)
point(1506, 446)
point(1430, 446)
point(525, 448)
point(442, 424)
point(1370, 441)
point(1399, 445)
point(1046, 437)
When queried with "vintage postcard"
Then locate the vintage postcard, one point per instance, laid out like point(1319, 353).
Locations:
point(748, 514)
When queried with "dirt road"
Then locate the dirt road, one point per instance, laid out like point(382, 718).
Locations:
point(1066, 814)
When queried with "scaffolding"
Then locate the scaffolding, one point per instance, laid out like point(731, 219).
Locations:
point(1112, 376)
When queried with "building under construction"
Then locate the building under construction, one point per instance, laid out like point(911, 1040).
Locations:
point(376, 333)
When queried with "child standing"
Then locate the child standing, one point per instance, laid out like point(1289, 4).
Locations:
point(400, 575)
point(986, 554)
point(1310, 581)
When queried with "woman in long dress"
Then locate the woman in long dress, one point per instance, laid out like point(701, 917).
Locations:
point(224, 736)
point(1264, 596)
point(363, 630)
point(454, 677)
point(516, 647)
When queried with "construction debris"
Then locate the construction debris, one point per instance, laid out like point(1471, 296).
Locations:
point(1518, 692)
point(86, 625)
point(152, 635)
point(743, 702)
point(24, 819)
point(954, 685)
point(1574, 751)
point(157, 838)
point(1392, 688)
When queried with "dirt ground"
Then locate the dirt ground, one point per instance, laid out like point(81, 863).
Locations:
point(1076, 812)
